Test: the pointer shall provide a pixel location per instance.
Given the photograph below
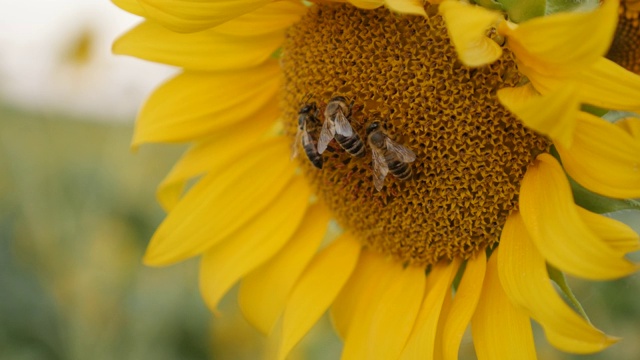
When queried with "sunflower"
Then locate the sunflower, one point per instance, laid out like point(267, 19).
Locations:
point(499, 101)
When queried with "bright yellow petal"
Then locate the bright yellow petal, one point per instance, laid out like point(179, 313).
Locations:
point(523, 274)
point(196, 15)
point(421, 343)
point(603, 158)
point(564, 42)
point(631, 126)
point(222, 203)
point(272, 17)
point(393, 303)
point(605, 84)
point(500, 330)
point(547, 207)
point(253, 244)
point(263, 292)
point(194, 105)
point(415, 7)
point(132, 6)
point(355, 293)
point(553, 114)
point(316, 289)
point(367, 4)
point(209, 155)
point(468, 25)
point(207, 50)
point(463, 306)
point(618, 235)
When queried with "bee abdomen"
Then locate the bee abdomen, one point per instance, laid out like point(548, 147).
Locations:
point(312, 154)
point(400, 170)
point(353, 145)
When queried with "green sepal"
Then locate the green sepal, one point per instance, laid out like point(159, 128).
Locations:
point(558, 277)
point(557, 6)
point(522, 10)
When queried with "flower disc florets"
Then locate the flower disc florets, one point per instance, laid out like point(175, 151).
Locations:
point(471, 152)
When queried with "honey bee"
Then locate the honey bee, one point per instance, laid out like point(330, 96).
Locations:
point(308, 122)
point(388, 156)
point(337, 125)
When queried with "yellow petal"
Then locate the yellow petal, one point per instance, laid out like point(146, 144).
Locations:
point(355, 292)
point(564, 42)
point(631, 126)
point(547, 207)
point(194, 105)
point(316, 289)
point(196, 15)
point(463, 306)
point(618, 235)
point(222, 203)
point(209, 155)
point(253, 244)
point(421, 343)
point(263, 292)
point(604, 84)
point(603, 158)
point(393, 303)
point(415, 7)
point(207, 50)
point(468, 25)
point(367, 4)
point(523, 274)
point(553, 114)
point(272, 17)
point(500, 330)
point(132, 6)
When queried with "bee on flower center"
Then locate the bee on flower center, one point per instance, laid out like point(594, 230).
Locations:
point(308, 124)
point(387, 156)
point(337, 124)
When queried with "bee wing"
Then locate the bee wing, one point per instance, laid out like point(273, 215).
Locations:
point(294, 146)
point(326, 135)
point(343, 127)
point(380, 168)
point(403, 153)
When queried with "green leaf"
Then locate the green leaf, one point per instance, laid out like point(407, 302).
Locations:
point(558, 277)
point(522, 10)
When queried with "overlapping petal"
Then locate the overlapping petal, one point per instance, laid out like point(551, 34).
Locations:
point(194, 105)
point(523, 274)
point(208, 50)
point(556, 45)
point(468, 25)
point(253, 244)
point(552, 221)
point(317, 288)
point(422, 341)
point(554, 114)
point(415, 7)
point(618, 235)
point(264, 292)
point(354, 293)
point(603, 157)
point(500, 330)
point(209, 155)
point(245, 188)
point(393, 302)
point(463, 306)
point(196, 15)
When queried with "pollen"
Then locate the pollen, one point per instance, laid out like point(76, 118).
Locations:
point(471, 153)
point(625, 48)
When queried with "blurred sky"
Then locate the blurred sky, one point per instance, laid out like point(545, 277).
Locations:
point(36, 71)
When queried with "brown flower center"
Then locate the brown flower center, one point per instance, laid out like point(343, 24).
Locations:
point(471, 153)
point(625, 48)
